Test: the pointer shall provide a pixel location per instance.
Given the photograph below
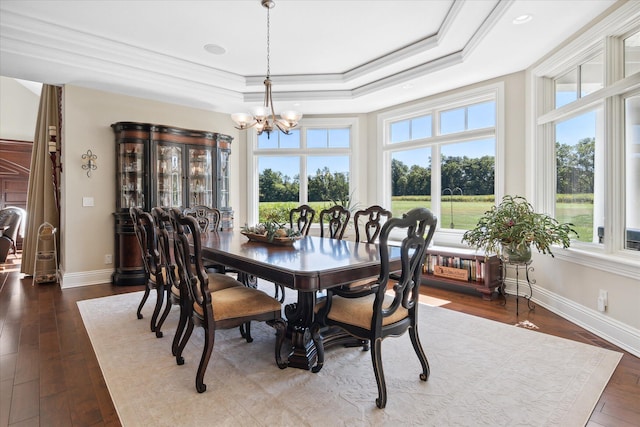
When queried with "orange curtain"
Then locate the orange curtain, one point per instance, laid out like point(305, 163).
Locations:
point(41, 197)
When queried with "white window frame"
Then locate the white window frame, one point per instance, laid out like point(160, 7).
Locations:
point(604, 36)
point(253, 152)
point(492, 92)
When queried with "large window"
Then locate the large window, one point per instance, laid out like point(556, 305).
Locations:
point(310, 166)
point(587, 139)
point(442, 156)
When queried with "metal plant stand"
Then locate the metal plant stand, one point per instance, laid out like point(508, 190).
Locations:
point(517, 266)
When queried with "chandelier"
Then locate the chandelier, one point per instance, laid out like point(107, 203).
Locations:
point(264, 117)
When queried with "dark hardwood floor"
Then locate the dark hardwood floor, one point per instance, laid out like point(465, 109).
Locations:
point(50, 376)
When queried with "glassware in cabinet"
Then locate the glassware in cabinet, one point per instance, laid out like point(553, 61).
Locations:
point(130, 175)
point(200, 177)
point(169, 176)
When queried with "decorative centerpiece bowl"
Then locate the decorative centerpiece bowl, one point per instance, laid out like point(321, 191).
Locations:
point(271, 232)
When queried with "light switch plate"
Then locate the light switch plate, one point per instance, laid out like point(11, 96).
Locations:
point(87, 201)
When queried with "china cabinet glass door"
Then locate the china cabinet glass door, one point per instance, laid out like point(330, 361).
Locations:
point(223, 179)
point(130, 175)
point(169, 183)
point(200, 177)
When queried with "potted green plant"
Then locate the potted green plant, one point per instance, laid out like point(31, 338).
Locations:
point(510, 229)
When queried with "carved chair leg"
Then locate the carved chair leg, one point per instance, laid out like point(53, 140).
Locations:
point(144, 299)
point(209, 338)
point(183, 342)
point(376, 359)
point(415, 340)
point(317, 341)
point(179, 330)
point(165, 313)
point(156, 309)
point(245, 331)
point(279, 291)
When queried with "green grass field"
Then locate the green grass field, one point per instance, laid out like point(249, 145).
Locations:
point(466, 211)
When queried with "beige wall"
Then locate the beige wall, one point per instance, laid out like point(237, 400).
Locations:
point(88, 232)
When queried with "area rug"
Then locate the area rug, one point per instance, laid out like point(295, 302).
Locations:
point(483, 373)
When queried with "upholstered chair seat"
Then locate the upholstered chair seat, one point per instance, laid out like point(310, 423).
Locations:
point(238, 301)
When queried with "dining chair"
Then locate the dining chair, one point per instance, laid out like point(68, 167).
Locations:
point(300, 219)
point(221, 309)
point(372, 313)
point(164, 233)
point(369, 222)
point(208, 218)
point(155, 275)
point(368, 225)
point(337, 219)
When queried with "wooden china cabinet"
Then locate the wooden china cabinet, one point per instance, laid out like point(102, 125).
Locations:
point(159, 165)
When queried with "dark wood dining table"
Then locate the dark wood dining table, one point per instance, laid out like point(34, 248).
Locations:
point(311, 264)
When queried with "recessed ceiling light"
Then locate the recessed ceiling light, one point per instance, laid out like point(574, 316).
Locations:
point(522, 19)
point(215, 49)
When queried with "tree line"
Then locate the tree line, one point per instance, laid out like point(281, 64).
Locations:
point(474, 176)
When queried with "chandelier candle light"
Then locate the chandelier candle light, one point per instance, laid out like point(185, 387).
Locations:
point(264, 117)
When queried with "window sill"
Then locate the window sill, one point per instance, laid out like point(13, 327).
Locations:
point(620, 263)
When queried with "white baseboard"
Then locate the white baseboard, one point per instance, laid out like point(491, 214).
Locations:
point(85, 278)
point(611, 330)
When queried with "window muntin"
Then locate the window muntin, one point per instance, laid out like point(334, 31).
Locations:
point(328, 138)
point(575, 174)
point(632, 54)
point(632, 173)
point(411, 129)
point(279, 140)
point(476, 116)
point(592, 75)
point(567, 88)
point(578, 82)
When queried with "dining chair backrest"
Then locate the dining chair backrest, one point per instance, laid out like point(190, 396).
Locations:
point(300, 219)
point(188, 257)
point(369, 222)
point(337, 219)
point(145, 233)
point(208, 218)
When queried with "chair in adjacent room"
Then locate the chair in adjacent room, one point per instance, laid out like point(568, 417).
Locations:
point(222, 309)
point(371, 314)
point(336, 219)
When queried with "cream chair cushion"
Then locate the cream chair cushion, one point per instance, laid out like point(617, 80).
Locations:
point(359, 311)
point(239, 301)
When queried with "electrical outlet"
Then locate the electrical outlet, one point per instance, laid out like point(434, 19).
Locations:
point(603, 300)
point(108, 259)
